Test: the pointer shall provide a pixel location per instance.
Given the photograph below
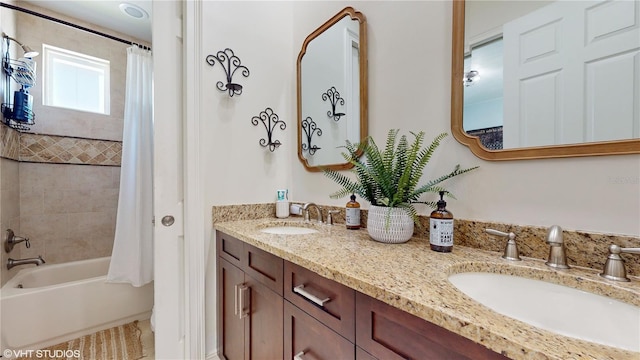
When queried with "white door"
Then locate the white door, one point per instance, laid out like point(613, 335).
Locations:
point(611, 58)
point(564, 60)
point(168, 179)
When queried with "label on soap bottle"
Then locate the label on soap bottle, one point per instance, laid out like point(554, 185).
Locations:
point(441, 232)
point(352, 219)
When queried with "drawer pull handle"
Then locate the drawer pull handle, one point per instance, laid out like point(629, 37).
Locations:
point(243, 309)
point(235, 300)
point(298, 356)
point(300, 290)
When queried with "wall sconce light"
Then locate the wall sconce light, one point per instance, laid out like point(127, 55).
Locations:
point(471, 77)
point(334, 96)
point(270, 120)
point(28, 52)
point(230, 64)
point(310, 127)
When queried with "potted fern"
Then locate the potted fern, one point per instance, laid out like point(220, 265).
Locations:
point(388, 179)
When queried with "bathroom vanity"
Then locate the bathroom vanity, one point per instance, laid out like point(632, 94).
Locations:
point(268, 302)
point(335, 294)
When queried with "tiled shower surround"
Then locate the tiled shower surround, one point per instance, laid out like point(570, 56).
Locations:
point(61, 192)
point(60, 180)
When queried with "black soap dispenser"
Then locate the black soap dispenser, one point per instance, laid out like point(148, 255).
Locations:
point(441, 227)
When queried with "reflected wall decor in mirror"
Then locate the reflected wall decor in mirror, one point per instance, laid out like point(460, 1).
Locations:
point(544, 79)
point(332, 90)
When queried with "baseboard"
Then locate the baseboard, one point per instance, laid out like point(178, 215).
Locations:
point(213, 355)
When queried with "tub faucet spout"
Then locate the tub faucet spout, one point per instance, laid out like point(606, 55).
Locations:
point(16, 262)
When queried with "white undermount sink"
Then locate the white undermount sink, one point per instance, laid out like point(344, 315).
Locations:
point(556, 308)
point(289, 230)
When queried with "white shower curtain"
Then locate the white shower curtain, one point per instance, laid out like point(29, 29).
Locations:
point(132, 256)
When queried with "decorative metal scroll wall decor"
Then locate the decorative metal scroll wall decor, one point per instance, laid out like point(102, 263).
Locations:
point(230, 64)
point(310, 127)
point(270, 120)
point(334, 96)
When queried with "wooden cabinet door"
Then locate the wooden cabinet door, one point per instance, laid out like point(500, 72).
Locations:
point(306, 338)
point(389, 333)
point(264, 331)
point(231, 327)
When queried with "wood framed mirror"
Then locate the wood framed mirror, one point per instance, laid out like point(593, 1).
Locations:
point(596, 114)
point(332, 90)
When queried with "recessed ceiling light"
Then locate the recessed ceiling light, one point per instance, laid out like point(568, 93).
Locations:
point(134, 11)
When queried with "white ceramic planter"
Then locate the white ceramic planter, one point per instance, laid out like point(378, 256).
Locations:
point(399, 230)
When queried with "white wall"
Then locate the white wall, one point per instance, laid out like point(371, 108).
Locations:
point(236, 169)
point(409, 88)
point(415, 36)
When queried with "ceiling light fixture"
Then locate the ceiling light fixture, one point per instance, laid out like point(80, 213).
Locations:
point(134, 11)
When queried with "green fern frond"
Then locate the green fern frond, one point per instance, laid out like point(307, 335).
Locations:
point(390, 178)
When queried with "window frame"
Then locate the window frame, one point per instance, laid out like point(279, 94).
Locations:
point(79, 60)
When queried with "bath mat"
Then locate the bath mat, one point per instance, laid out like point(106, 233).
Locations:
point(118, 343)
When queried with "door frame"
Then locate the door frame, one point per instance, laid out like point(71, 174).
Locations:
point(179, 266)
point(194, 216)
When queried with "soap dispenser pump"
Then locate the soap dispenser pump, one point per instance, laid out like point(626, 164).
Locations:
point(441, 227)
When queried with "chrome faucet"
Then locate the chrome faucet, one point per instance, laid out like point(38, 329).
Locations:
point(305, 210)
point(614, 266)
point(16, 262)
point(511, 249)
point(557, 254)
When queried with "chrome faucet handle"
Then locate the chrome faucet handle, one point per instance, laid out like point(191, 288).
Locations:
point(330, 214)
point(557, 254)
point(511, 249)
point(614, 268)
point(11, 240)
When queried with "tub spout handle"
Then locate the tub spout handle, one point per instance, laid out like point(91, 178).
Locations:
point(10, 240)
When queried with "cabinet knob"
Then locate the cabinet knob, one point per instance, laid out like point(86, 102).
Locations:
point(298, 356)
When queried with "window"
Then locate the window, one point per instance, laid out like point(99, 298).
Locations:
point(75, 81)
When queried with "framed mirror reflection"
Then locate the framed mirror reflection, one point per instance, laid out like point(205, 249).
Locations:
point(538, 79)
point(332, 90)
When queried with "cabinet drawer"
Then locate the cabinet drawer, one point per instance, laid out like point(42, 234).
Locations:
point(259, 264)
point(338, 312)
point(308, 339)
point(229, 248)
point(389, 333)
point(264, 267)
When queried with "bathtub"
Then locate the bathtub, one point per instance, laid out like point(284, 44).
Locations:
point(50, 304)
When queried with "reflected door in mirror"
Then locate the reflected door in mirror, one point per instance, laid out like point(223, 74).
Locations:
point(546, 79)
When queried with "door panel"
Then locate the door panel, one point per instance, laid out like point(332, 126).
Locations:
point(265, 324)
point(575, 74)
point(231, 338)
point(169, 272)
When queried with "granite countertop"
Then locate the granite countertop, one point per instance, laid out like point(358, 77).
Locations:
point(413, 278)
